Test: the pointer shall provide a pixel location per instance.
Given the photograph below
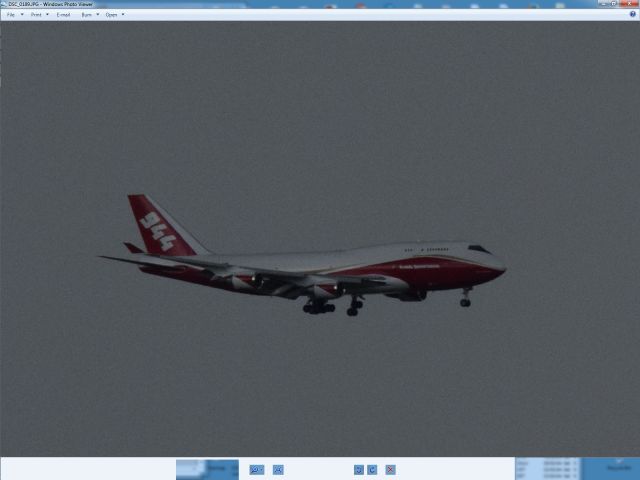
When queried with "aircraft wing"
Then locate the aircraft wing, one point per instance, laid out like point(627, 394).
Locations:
point(273, 282)
point(297, 279)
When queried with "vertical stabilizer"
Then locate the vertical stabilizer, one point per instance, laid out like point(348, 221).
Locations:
point(162, 234)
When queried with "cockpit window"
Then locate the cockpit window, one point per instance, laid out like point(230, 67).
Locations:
point(478, 248)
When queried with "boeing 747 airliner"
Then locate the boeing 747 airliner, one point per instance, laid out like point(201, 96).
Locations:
point(404, 271)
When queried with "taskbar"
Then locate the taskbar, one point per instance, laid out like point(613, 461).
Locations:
point(322, 468)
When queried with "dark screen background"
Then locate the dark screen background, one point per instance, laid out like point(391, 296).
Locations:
point(308, 136)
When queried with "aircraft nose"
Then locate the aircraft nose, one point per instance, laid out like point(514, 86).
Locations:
point(499, 266)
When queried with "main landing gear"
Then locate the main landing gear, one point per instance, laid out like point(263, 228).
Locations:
point(356, 304)
point(316, 307)
point(465, 302)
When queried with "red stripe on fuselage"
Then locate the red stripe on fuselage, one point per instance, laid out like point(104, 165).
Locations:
point(429, 272)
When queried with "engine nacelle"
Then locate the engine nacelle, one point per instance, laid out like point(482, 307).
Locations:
point(410, 296)
point(327, 290)
point(246, 282)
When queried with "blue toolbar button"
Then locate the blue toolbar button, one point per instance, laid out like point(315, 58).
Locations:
point(390, 470)
point(372, 469)
point(256, 470)
point(358, 469)
point(278, 469)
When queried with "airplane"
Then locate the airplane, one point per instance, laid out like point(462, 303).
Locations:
point(403, 271)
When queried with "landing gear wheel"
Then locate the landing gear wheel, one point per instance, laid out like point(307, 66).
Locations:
point(330, 308)
point(306, 308)
point(355, 303)
point(465, 302)
point(352, 312)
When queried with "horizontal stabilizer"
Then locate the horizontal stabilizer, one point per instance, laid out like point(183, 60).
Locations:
point(144, 264)
point(132, 248)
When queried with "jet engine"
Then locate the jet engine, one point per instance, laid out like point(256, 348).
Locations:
point(246, 282)
point(326, 290)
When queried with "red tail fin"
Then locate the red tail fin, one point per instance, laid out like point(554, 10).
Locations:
point(162, 235)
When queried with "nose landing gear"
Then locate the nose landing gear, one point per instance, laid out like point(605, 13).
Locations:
point(465, 302)
point(356, 304)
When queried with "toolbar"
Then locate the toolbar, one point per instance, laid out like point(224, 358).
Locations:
point(123, 15)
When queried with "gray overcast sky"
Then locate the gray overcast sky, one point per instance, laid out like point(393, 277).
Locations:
point(276, 137)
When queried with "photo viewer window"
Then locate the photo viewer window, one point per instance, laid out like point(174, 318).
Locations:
point(314, 239)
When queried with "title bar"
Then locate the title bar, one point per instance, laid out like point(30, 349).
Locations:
point(136, 15)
